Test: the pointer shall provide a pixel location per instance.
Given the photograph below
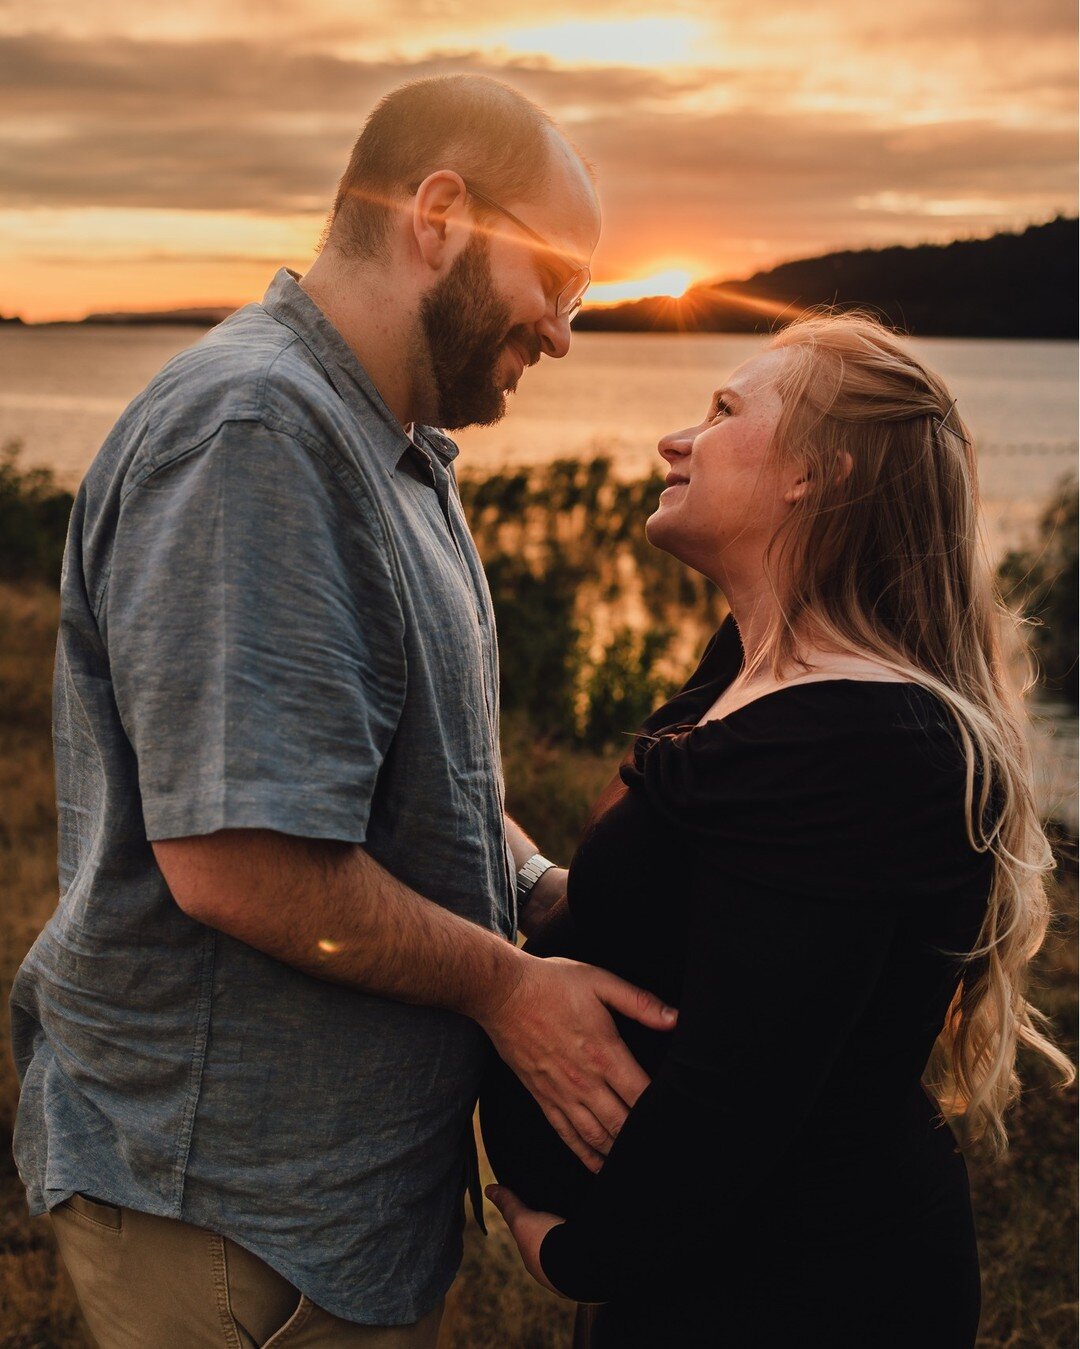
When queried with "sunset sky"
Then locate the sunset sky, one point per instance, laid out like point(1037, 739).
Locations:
point(160, 155)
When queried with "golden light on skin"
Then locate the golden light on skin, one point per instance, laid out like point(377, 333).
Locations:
point(330, 948)
point(647, 41)
point(671, 283)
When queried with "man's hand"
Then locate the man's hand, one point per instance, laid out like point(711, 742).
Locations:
point(528, 1227)
point(554, 1030)
point(331, 910)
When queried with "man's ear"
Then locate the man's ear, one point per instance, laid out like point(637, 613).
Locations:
point(439, 212)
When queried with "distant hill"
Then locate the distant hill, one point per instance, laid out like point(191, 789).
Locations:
point(1011, 285)
point(205, 317)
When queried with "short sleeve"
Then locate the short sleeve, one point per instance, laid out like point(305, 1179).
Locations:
point(255, 640)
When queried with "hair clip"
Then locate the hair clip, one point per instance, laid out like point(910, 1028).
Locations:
point(939, 422)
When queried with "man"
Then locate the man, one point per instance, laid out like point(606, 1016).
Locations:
point(250, 1036)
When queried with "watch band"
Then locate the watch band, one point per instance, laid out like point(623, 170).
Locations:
point(530, 873)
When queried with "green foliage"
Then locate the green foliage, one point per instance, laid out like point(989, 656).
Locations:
point(623, 687)
point(1042, 582)
point(550, 787)
point(587, 610)
point(33, 520)
point(539, 641)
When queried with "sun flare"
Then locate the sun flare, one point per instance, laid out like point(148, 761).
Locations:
point(671, 283)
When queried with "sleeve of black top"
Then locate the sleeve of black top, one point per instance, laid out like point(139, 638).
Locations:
point(774, 983)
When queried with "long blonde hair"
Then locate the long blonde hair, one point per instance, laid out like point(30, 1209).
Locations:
point(882, 557)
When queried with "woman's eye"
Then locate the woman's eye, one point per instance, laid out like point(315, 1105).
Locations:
point(721, 409)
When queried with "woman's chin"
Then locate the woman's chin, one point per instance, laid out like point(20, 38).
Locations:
point(662, 531)
point(666, 532)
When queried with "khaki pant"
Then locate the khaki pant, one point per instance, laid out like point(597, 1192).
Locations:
point(154, 1283)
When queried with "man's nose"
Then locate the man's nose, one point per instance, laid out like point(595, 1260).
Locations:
point(554, 334)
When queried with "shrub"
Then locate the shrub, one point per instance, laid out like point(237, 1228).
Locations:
point(1042, 582)
point(587, 610)
point(34, 515)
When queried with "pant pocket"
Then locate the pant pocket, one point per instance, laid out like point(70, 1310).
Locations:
point(107, 1216)
point(261, 1302)
point(305, 1309)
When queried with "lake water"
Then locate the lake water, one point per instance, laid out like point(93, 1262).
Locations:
point(61, 388)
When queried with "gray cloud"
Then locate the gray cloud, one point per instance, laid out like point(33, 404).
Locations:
point(235, 126)
point(191, 80)
point(797, 181)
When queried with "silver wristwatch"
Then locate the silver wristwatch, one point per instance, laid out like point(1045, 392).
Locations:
point(529, 874)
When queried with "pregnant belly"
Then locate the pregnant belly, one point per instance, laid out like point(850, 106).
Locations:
point(525, 1152)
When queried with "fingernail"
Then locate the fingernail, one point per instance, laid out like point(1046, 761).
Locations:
point(671, 1013)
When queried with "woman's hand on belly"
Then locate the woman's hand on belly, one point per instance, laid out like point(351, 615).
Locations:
point(528, 1227)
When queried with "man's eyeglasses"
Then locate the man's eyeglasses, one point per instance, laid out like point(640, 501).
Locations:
point(569, 297)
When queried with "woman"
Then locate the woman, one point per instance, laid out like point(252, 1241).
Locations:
point(824, 850)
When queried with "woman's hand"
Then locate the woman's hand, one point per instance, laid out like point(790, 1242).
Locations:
point(528, 1227)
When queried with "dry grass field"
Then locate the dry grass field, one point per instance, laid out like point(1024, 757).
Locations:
point(1025, 1205)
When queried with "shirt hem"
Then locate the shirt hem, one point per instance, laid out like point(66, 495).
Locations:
point(380, 1314)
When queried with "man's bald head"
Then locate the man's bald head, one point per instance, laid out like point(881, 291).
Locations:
point(496, 139)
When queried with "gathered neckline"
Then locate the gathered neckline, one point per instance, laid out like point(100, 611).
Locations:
point(685, 727)
point(806, 684)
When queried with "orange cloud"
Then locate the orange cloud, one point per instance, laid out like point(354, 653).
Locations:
point(772, 135)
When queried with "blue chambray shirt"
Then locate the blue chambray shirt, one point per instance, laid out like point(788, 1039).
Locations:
point(273, 616)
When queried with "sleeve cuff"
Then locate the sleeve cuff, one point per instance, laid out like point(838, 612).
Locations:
point(341, 815)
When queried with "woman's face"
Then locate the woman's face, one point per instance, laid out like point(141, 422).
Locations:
point(726, 492)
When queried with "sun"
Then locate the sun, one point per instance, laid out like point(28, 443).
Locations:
point(671, 284)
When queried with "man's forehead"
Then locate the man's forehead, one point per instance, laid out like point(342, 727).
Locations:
point(565, 209)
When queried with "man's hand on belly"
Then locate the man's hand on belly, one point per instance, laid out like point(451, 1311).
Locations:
point(331, 910)
point(555, 1031)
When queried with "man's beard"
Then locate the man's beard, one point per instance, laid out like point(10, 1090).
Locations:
point(467, 326)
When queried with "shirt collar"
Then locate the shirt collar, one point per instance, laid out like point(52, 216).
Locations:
point(287, 302)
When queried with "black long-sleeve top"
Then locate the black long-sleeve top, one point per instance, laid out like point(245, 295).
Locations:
point(797, 878)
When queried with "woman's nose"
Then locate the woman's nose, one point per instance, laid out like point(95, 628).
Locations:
point(676, 444)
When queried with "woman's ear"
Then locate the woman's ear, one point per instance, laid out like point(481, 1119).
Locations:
point(801, 485)
point(799, 488)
